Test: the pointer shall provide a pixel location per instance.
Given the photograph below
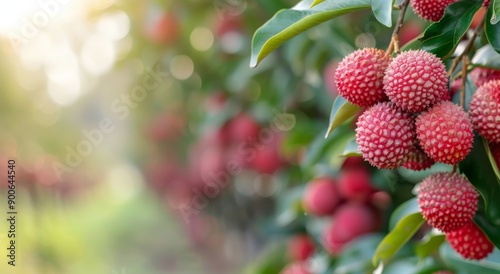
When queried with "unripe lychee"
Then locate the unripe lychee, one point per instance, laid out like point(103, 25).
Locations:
point(385, 135)
point(359, 76)
point(448, 201)
point(485, 111)
point(355, 184)
point(430, 10)
point(300, 248)
point(470, 242)
point(415, 80)
point(481, 76)
point(321, 197)
point(445, 133)
point(296, 268)
point(417, 159)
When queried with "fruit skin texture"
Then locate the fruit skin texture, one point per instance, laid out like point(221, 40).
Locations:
point(355, 184)
point(321, 197)
point(385, 135)
point(481, 76)
point(430, 10)
point(470, 242)
point(300, 248)
point(448, 201)
point(445, 133)
point(485, 111)
point(359, 76)
point(415, 80)
point(418, 160)
point(296, 268)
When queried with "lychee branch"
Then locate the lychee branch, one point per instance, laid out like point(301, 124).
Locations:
point(394, 45)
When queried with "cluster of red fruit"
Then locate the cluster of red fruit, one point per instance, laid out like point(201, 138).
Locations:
point(353, 203)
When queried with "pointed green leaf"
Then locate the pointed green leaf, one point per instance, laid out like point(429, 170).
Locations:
point(403, 210)
point(382, 9)
point(401, 234)
point(487, 57)
point(495, 6)
point(492, 160)
point(492, 32)
point(429, 245)
point(490, 265)
point(442, 37)
point(351, 149)
point(316, 2)
point(288, 23)
point(341, 111)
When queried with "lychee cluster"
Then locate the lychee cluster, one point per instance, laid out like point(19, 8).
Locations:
point(448, 202)
point(410, 120)
point(430, 10)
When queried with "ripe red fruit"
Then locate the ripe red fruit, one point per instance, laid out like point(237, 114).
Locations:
point(165, 30)
point(359, 76)
point(485, 111)
point(486, 3)
point(329, 78)
point(415, 80)
point(417, 159)
point(300, 248)
point(385, 135)
point(350, 222)
point(430, 10)
point(243, 128)
point(321, 197)
point(470, 242)
point(228, 23)
point(353, 162)
point(268, 159)
point(355, 184)
point(296, 268)
point(448, 201)
point(481, 76)
point(445, 133)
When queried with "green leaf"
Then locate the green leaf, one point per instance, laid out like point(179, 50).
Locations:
point(487, 57)
point(455, 260)
point(401, 234)
point(495, 6)
point(431, 244)
point(383, 11)
point(351, 149)
point(442, 37)
point(316, 2)
point(356, 256)
point(492, 32)
point(288, 23)
point(341, 111)
point(319, 147)
point(492, 160)
point(409, 207)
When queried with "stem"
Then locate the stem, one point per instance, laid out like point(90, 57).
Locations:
point(394, 45)
point(465, 64)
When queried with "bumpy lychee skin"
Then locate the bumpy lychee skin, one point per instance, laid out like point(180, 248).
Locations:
point(470, 242)
point(415, 80)
point(321, 197)
point(448, 201)
point(359, 76)
point(445, 133)
point(430, 10)
point(385, 135)
point(485, 111)
point(481, 76)
point(418, 160)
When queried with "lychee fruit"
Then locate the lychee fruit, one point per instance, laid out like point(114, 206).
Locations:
point(448, 201)
point(486, 3)
point(385, 135)
point(300, 248)
point(455, 86)
point(415, 80)
point(355, 184)
point(417, 159)
point(430, 10)
point(353, 162)
point(484, 111)
point(481, 76)
point(296, 268)
point(445, 133)
point(470, 242)
point(321, 196)
point(243, 128)
point(359, 76)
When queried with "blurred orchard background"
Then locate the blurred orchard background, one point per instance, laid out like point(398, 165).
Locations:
point(145, 144)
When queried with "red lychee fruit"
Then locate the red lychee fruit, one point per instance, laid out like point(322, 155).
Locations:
point(243, 128)
point(486, 3)
point(349, 222)
point(448, 201)
point(268, 159)
point(445, 133)
point(484, 111)
point(481, 76)
point(329, 78)
point(165, 30)
point(353, 162)
point(430, 10)
point(359, 76)
point(300, 248)
point(321, 197)
point(470, 242)
point(355, 184)
point(296, 268)
point(417, 159)
point(380, 200)
point(415, 80)
point(385, 135)
point(495, 150)
point(409, 31)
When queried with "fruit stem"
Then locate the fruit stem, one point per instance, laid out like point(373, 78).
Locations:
point(394, 45)
point(465, 64)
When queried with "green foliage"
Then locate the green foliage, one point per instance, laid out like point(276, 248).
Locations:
point(492, 31)
point(341, 111)
point(383, 11)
